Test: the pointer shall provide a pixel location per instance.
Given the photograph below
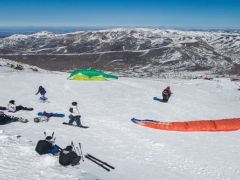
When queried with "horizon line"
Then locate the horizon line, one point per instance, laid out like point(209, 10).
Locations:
point(113, 26)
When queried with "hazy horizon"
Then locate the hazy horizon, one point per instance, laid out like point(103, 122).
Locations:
point(10, 30)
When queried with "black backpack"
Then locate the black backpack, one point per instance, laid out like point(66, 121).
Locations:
point(70, 158)
point(71, 110)
point(43, 147)
point(4, 119)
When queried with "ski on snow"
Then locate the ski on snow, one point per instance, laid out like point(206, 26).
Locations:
point(75, 125)
point(99, 162)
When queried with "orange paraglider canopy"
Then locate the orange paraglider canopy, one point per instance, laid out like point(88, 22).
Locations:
point(232, 124)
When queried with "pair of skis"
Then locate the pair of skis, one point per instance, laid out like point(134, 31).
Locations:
point(99, 162)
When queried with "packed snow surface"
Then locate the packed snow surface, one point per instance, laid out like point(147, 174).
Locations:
point(137, 152)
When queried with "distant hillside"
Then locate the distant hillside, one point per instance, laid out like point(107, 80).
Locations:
point(149, 52)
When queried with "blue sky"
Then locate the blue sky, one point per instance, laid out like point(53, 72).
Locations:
point(163, 13)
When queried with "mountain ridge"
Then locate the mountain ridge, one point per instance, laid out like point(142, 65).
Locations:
point(153, 51)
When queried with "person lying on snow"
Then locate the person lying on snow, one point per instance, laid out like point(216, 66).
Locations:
point(42, 92)
point(13, 108)
point(166, 94)
point(69, 157)
point(75, 114)
point(46, 116)
point(5, 119)
point(47, 146)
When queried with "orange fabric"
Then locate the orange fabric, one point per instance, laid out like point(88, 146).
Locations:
point(232, 124)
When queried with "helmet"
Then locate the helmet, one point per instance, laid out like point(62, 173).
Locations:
point(68, 148)
point(48, 138)
point(74, 103)
point(168, 87)
point(12, 102)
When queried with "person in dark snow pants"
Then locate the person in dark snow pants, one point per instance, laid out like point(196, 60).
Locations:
point(13, 108)
point(166, 94)
point(42, 92)
point(75, 114)
point(5, 119)
point(69, 157)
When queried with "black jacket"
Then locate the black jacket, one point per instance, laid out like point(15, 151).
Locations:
point(4, 119)
point(68, 158)
point(41, 90)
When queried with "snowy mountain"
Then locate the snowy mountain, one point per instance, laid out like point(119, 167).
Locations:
point(138, 153)
point(147, 51)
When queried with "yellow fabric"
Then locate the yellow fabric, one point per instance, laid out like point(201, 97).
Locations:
point(86, 78)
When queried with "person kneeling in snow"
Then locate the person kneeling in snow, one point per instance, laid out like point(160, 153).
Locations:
point(75, 114)
point(69, 157)
point(13, 108)
point(166, 94)
point(47, 146)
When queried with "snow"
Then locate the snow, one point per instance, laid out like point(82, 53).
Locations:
point(137, 152)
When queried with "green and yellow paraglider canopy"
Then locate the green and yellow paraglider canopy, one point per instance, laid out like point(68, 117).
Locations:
point(90, 74)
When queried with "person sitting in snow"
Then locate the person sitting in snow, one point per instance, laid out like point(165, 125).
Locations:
point(166, 94)
point(75, 114)
point(47, 146)
point(5, 119)
point(42, 92)
point(13, 108)
point(69, 157)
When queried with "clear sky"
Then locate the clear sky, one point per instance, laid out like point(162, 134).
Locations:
point(163, 13)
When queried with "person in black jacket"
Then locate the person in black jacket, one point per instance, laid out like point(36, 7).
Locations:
point(5, 119)
point(47, 146)
point(166, 94)
point(69, 157)
point(42, 92)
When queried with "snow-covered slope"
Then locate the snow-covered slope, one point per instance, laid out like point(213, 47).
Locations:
point(107, 107)
point(151, 51)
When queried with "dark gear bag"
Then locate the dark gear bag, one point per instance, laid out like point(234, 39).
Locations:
point(43, 147)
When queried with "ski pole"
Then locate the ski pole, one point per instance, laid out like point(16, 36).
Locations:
point(80, 147)
point(78, 151)
point(73, 146)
